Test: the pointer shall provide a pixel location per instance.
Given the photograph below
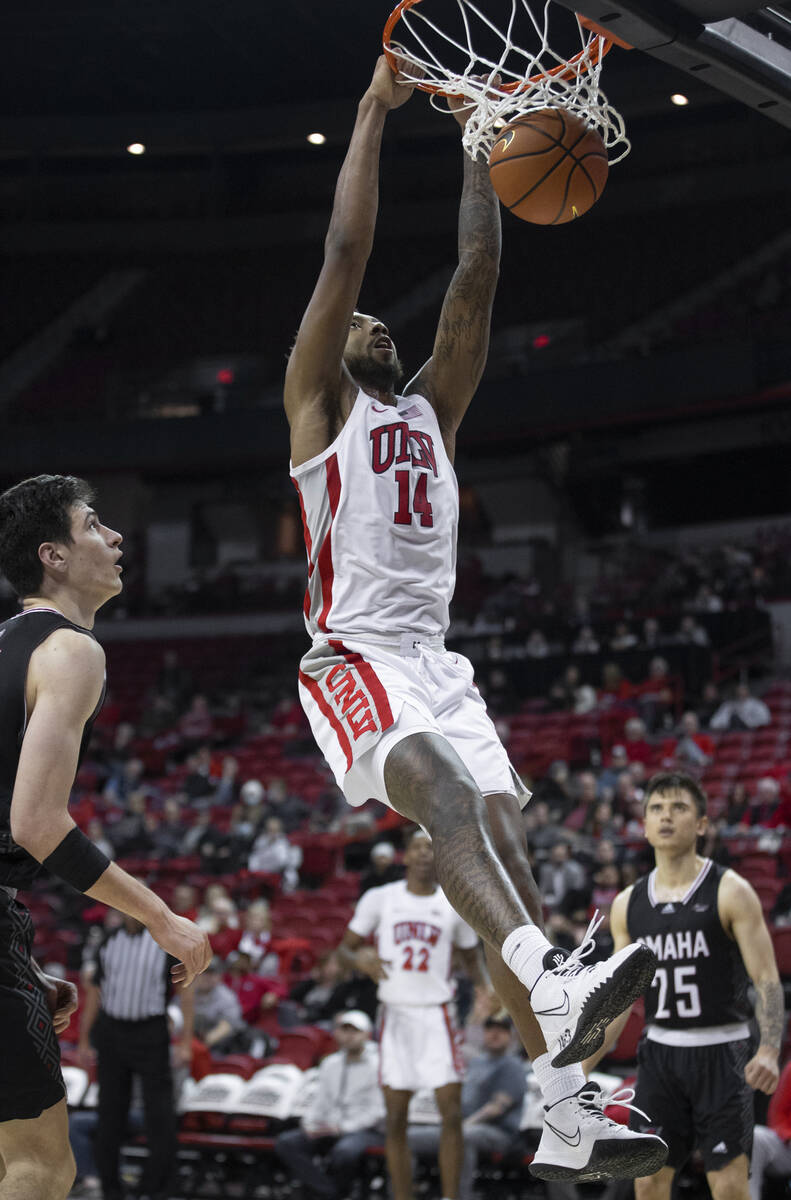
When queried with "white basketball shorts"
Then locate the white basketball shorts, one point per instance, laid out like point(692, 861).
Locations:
point(419, 1046)
point(363, 697)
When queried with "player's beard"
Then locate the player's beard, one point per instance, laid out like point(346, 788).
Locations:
point(373, 375)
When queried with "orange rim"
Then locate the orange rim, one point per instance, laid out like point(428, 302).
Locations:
point(599, 44)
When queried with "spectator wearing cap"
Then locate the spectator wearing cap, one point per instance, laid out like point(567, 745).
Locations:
point(383, 869)
point(491, 1103)
point(345, 1116)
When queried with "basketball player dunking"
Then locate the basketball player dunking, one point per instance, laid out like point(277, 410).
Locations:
point(696, 1066)
point(415, 932)
point(63, 564)
point(397, 716)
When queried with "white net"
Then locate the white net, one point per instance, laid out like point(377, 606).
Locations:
point(458, 49)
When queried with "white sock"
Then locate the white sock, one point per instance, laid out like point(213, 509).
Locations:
point(523, 951)
point(557, 1083)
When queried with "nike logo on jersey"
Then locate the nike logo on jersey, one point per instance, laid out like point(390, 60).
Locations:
point(382, 410)
point(570, 1139)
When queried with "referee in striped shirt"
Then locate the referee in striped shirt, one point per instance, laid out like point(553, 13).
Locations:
point(125, 1011)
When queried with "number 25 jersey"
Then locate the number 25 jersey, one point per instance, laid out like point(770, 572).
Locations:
point(414, 936)
point(700, 981)
point(380, 513)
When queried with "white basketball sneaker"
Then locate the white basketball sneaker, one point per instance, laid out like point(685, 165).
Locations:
point(575, 1003)
point(579, 1142)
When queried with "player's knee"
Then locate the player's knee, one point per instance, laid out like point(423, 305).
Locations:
point(651, 1187)
point(48, 1177)
point(730, 1186)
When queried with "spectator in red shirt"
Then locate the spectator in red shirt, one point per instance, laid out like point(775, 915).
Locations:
point(634, 742)
point(772, 1144)
point(255, 993)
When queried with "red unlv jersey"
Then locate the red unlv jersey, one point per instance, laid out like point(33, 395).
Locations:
point(380, 511)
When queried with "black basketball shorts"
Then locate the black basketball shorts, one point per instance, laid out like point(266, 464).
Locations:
point(696, 1098)
point(30, 1076)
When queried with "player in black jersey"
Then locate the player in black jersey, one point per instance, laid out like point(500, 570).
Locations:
point(63, 564)
point(696, 1063)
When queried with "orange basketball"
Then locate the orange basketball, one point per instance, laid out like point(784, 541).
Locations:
point(548, 167)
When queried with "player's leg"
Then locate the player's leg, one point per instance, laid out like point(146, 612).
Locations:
point(451, 1139)
point(506, 823)
point(426, 781)
point(37, 1157)
point(399, 1158)
point(731, 1182)
point(655, 1187)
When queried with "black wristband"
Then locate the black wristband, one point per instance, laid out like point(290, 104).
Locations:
point(77, 860)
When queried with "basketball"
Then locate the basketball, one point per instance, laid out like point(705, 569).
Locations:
point(548, 167)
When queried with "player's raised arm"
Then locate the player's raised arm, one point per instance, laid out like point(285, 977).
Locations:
point(315, 375)
point(742, 917)
point(620, 936)
point(452, 374)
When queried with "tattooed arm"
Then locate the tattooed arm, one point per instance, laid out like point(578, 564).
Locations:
point(742, 917)
point(449, 378)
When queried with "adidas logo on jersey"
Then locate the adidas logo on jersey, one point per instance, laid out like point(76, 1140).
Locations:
point(720, 1148)
point(669, 908)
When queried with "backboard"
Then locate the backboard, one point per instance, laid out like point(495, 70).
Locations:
point(733, 46)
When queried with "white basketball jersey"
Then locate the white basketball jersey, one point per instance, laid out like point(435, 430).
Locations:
point(380, 511)
point(415, 936)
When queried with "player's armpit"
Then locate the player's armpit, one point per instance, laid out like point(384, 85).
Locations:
point(65, 680)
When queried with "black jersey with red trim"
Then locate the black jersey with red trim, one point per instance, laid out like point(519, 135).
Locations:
point(700, 980)
point(19, 637)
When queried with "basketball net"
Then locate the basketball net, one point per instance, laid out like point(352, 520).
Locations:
point(513, 80)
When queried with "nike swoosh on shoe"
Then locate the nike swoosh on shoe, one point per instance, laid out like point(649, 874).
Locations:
point(570, 1141)
point(560, 1010)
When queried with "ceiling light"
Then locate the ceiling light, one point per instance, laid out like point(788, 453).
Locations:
point(678, 99)
point(316, 139)
point(135, 148)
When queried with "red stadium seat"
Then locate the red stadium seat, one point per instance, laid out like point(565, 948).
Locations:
point(244, 1065)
